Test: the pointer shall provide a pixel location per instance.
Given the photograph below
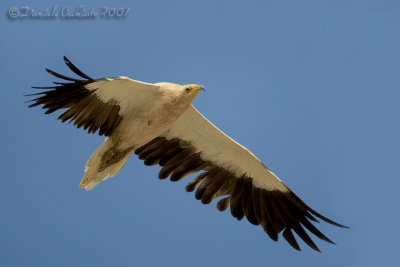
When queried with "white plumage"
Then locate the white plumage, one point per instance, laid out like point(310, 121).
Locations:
point(129, 94)
point(219, 148)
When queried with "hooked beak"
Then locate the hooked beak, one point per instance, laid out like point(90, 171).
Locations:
point(201, 88)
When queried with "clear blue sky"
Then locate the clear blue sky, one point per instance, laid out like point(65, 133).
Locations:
point(311, 87)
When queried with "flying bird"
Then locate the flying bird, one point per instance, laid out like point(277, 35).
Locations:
point(159, 124)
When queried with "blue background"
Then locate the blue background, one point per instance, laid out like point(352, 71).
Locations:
point(311, 87)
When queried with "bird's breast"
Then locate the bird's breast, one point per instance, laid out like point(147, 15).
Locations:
point(141, 126)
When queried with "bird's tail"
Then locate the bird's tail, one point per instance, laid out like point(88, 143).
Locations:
point(104, 163)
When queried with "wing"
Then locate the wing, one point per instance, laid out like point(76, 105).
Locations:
point(97, 105)
point(193, 144)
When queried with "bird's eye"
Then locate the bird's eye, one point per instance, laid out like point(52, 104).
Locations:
point(187, 89)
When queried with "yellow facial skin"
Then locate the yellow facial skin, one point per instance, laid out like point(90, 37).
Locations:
point(190, 92)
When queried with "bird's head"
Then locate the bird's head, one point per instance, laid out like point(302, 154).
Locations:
point(190, 92)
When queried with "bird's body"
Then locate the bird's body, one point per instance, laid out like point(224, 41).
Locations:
point(159, 123)
point(147, 120)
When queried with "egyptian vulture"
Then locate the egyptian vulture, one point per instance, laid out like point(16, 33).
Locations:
point(158, 123)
